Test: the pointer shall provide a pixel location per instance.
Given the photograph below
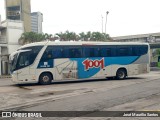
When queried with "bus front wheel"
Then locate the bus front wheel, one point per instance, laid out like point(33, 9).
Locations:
point(45, 79)
point(121, 74)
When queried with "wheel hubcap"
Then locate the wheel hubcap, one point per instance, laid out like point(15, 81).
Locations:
point(45, 78)
point(121, 75)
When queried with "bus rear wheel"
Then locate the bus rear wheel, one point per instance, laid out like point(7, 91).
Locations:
point(121, 74)
point(45, 79)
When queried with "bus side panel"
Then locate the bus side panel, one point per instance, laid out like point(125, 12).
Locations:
point(140, 66)
point(89, 67)
point(65, 69)
point(102, 66)
point(105, 72)
point(133, 69)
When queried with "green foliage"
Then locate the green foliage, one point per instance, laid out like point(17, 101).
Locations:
point(89, 36)
point(158, 51)
point(30, 37)
point(66, 36)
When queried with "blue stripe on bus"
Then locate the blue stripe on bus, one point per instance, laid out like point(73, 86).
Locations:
point(82, 73)
point(87, 73)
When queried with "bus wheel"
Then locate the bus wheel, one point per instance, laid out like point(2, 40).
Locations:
point(121, 74)
point(45, 79)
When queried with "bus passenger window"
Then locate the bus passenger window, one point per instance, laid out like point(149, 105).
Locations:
point(75, 53)
point(65, 53)
point(94, 52)
point(143, 50)
point(57, 53)
point(105, 52)
point(47, 55)
point(91, 52)
point(122, 52)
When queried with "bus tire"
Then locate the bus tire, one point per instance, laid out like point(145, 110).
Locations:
point(121, 74)
point(45, 79)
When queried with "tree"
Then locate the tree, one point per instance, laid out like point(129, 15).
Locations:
point(88, 35)
point(82, 36)
point(61, 36)
point(30, 37)
point(25, 37)
point(94, 36)
point(85, 36)
point(47, 36)
point(97, 36)
point(66, 36)
point(107, 38)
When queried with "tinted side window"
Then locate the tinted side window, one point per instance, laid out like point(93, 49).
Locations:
point(135, 50)
point(105, 52)
point(33, 53)
point(72, 52)
point(91, 52)
point(25, 59)
point(75, 52)
point(139, 50)
point(113, 51)
point(57, 52)
point(143, 49)
point(99, 51)
point(52, 52)
point(124, 51)
point(47, 54)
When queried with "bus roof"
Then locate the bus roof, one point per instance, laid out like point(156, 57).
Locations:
point(81, 43)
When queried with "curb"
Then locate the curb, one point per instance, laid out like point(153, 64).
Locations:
point(4, 76)
point(154, 68)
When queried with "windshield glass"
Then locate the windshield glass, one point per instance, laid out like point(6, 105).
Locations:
point(24, 59)
point(13, 62)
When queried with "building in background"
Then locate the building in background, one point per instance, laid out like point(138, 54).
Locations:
point(36, 22)
point(18, 21)
point(19, 10)
point(10, 32)
point(0, 21)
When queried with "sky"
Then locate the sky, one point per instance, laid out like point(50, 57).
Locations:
point(126, 17)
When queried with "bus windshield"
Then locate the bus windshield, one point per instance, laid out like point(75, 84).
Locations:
point(13, 62)
point(23, 57)
point(20, 60)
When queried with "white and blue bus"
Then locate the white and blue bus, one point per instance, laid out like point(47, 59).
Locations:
point(44, 62)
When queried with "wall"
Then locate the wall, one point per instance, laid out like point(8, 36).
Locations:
point(12, 32)
point(12, 48)
point(25, 10)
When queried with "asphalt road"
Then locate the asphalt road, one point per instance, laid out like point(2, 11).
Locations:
point(140, 92)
